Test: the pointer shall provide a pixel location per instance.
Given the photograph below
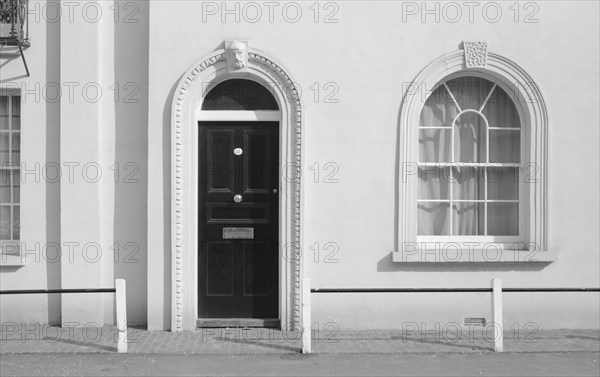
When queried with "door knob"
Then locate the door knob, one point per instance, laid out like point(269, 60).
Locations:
point(237, 198)
point(274, 191)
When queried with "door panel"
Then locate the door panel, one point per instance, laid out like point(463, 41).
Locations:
point(252, 213)
point(255, 282)
point(220, 161)
point(238, 241)
point(256, 178)
point(219, 272)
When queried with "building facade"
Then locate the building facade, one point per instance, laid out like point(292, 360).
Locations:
point(214, 154)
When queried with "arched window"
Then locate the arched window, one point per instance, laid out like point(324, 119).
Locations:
point(468, 167)
point(472, 163)
point(239, 94)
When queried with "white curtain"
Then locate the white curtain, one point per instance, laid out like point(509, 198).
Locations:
point(470, 146)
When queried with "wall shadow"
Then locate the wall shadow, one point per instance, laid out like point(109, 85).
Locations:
point(386, 264)
point(7, 55)
point(166, 215)
point(131, 62)
point(53, 265)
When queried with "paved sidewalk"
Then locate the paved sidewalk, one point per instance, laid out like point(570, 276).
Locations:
point(566, 364)
point(236, 341)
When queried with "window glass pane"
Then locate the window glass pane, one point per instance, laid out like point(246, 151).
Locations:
point(467, 183)
point(16, 182)
point(439, 110)
point(4, 187)
point(4, 194)
point(238, 94)
point(500, 110)
point(16, 159)
point(4, 138)
point(470, 92)
point(433, 183)
point(4, 115)
point(3, 106)
point(16, 123)
point(16, 141)
point(503, 219)
point(16, 105)
point(503, 183)
point(468, 219)
point(434, 145)
point(505, 146)
point(16, 222)
point(4, 121)
point(4, 158)
point(469, 138)
point(5, 177)
point(433, 219)
point(5, 223)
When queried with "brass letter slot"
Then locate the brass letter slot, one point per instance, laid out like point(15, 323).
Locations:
point(238, 233)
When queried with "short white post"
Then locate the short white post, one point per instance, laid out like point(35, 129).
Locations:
point(306, 341)
point(497, 315)
point(121, 305)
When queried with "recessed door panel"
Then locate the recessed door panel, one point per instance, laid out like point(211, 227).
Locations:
point(257, 261)
point(256, 177)
point(219, 162)
point(248, 213)
point(219, 272)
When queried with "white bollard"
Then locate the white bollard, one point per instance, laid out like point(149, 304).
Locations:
point(306, 341)
point(497, 315)
point(121, 305)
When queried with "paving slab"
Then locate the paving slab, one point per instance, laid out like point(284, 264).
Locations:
point(34, 338)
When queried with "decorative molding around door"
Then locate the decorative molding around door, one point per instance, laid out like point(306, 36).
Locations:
point(185, 114)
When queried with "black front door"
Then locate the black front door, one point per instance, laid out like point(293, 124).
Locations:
point(238, 220)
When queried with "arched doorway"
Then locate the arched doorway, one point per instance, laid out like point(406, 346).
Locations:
point(191, 106)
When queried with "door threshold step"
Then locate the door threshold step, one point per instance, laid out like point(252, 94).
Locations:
point(238, 322)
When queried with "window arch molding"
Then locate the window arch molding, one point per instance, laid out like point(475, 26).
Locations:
point(533, 113)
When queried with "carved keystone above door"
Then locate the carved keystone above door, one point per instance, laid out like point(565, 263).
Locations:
point(237, 56)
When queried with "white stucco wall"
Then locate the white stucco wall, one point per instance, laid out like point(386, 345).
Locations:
point(362, 62)
point(369, 54)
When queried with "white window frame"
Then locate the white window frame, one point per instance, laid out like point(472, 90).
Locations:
point(533, 192)
point(504, 242)
point(10, 249)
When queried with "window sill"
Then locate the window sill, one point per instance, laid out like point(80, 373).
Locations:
point(474, 256)
point(11, 261)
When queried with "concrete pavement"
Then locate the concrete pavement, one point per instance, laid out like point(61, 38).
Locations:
point(39, 350)
point(289, 364)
